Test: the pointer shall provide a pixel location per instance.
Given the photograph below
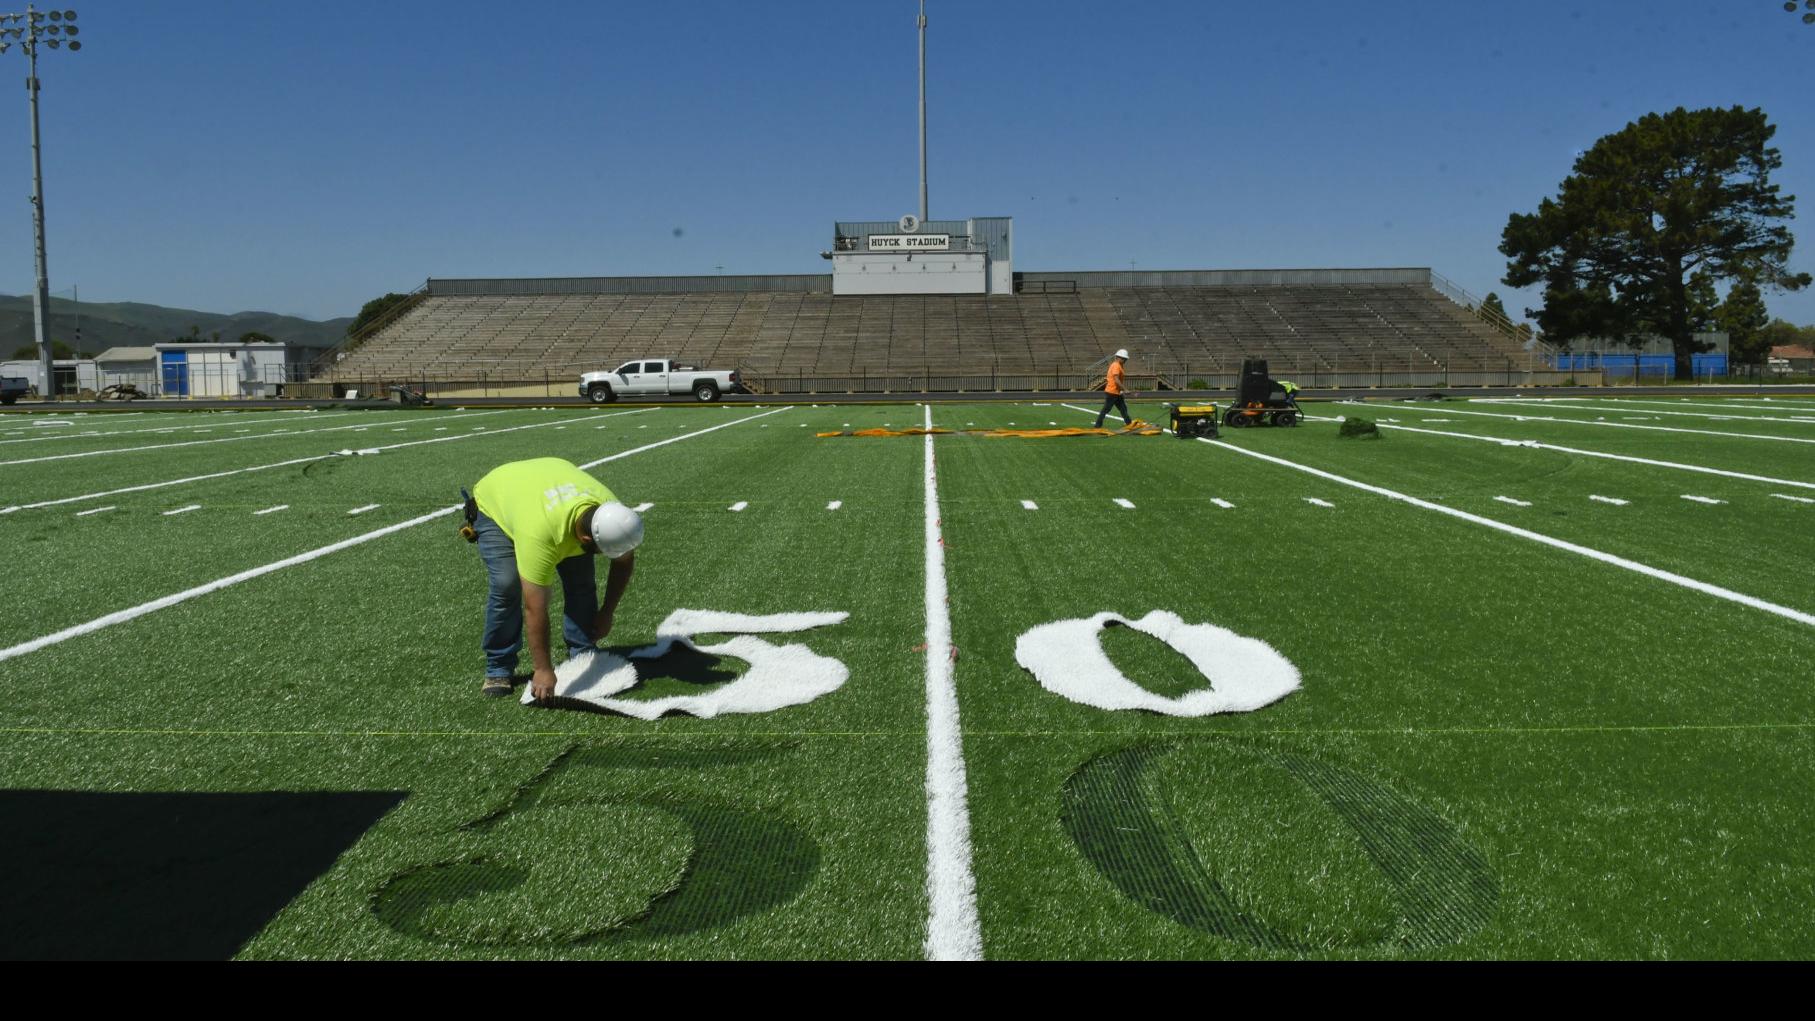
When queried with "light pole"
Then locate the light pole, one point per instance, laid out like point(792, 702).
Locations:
point(921, 22)
point(54, 28)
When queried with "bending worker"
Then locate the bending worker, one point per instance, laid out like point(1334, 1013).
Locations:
point(535, 521)
point(1114, 390)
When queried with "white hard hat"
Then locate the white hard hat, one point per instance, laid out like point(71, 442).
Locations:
point(616, 529)
point(1123, 353)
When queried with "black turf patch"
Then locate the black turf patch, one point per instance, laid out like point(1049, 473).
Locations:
point(165, 876)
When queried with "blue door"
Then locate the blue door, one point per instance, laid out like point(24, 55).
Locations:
point(176, 373)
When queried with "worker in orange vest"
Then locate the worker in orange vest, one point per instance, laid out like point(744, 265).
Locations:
point(1114, 391)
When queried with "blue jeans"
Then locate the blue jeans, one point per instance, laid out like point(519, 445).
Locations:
point(503, 638)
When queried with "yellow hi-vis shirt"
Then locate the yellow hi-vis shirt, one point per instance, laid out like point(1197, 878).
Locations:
point(536, 502)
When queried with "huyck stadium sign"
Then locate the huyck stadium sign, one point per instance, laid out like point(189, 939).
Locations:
point(910, 242)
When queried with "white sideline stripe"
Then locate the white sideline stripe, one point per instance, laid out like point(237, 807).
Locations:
point(183, 510)
point(739, 505)
point(1620, 425)
point(198, 443)
point(1536, 445)
point(283, 464)
point(835, 504)
point(142, 609)
point(1515, 503)
point(952, 930)
point(1320, 503)
point(149, 430)
point(1124, 504)
point(1500, 526)
point(1220, 502)
point(1617, 502)
point(94, 510)
point(674, 439)
point(1702, 499)
point(272, 510)
point(122, 616)
point(1713, 410)
point(1029, 505)
point(1798, 499)
point(362, 510)
point(641, 507)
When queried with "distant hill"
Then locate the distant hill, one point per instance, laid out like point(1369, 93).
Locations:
point(132, 324)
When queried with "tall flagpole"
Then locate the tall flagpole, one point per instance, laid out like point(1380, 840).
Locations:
point(922, 111)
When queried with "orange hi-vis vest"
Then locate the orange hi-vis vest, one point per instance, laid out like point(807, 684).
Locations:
point(1114, 384)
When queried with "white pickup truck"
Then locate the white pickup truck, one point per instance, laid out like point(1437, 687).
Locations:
point(657, 377)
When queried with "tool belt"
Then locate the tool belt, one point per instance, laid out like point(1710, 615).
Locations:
point(470, 510)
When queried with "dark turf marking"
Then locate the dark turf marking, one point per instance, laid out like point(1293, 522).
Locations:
point(1443, 886)
point(164, 876)
point(746, 859)
point(1146, 854)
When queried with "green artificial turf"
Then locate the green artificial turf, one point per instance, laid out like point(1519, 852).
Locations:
point(1499, 749)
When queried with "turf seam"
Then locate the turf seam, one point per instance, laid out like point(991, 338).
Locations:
point(1210, 735)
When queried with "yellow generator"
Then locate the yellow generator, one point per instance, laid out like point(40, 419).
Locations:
point(1191, 420)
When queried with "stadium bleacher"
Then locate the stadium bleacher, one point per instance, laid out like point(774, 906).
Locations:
point(1054, 327)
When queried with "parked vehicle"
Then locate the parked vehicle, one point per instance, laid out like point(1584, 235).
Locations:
point(657, 377)
point(13, 387)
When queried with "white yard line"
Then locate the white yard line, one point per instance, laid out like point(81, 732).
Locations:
point(1607, 558)
point(1797, 499)
point(362, 510)
point(198, 443)
point(161, 429)
point(183, 510)
point(676, 439)
point(1220, 502)
point(1617, 502)
point(1515, 503)
point(1124, 504)
point(1537, 445)
point(292, 461)
point(1703, 499)
point(835, 504)
point(94, 510)
point(952, 930)
point(1029, 505)
point(142, 609)
point(738, 506)
point(1514, 402)
point(1314, 501)
point(1619, 425)
point(272, 510)
point(173, 599)
point(641, 507)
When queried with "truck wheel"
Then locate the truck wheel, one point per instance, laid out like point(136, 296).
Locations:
point(707, 392)
point(600, 393)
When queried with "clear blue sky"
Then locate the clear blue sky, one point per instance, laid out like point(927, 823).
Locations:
point(304, 157)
